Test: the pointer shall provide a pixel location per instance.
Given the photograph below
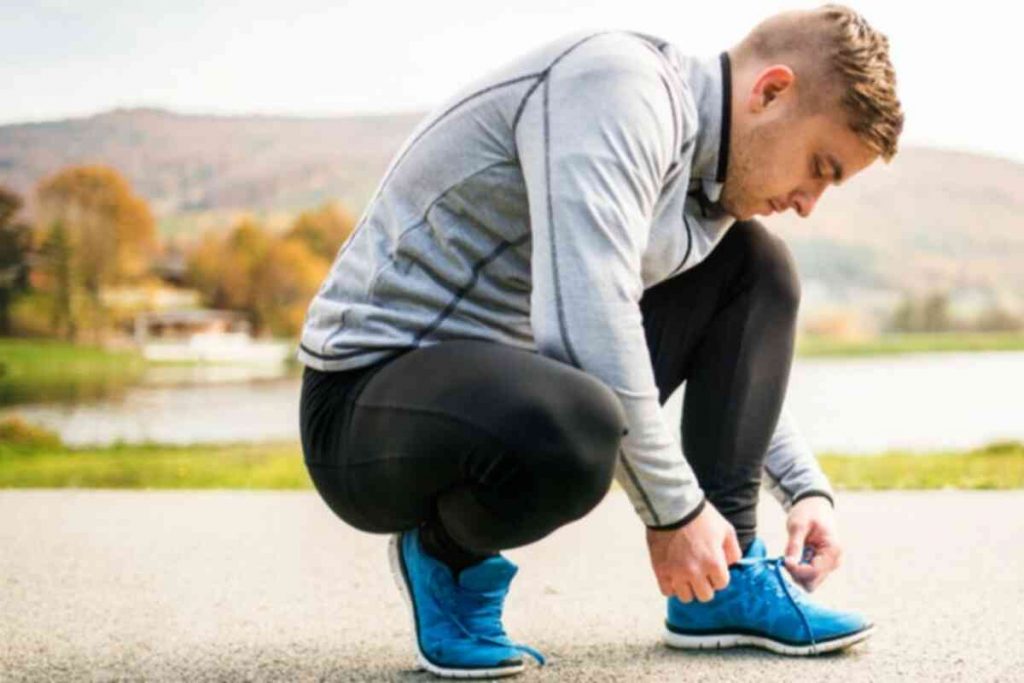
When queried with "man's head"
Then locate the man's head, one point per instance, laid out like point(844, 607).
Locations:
point(813, 102)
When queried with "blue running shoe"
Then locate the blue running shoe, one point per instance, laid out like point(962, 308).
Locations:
point(762, 607)
point(457, 625)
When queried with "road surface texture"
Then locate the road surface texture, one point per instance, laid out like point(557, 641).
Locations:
point(165, 585)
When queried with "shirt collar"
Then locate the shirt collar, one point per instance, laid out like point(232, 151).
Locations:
point(711, 84)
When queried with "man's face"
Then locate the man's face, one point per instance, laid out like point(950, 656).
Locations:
point(783, 160)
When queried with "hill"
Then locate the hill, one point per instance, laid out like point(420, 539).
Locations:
point(186, 164)
point(931, 219)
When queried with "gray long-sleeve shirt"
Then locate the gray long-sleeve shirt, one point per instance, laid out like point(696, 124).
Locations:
point(533, 209)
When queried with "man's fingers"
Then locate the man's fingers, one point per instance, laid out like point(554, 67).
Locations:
point(702, 589)
point(802, 572)
point(719, 578)
point(732, 550)
point(664, 579)
point(825, 561)
point(834, 554)
point(810, 576)
point(684, 593)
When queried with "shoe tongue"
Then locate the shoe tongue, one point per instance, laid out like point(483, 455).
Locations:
point(493, 573)
point(756, 549)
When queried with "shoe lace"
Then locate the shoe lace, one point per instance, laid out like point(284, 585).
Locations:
point(482, 610)
point(775, 565)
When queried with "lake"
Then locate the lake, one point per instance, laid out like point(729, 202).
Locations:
point(856, 405)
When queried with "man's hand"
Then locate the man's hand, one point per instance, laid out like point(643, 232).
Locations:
point(811, 525)
point(693, 561)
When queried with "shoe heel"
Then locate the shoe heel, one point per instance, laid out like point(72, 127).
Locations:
point(398, 574)
point(401, 579)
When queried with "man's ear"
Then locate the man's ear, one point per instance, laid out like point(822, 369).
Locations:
point(768, 85)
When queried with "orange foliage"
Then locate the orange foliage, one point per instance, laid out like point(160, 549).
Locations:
point(110, 229)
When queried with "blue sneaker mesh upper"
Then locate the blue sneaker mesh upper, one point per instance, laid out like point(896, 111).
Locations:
point(458, 624)
point(761, 600)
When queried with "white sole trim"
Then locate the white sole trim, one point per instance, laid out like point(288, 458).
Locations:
point(727, 640)
point(398, 575)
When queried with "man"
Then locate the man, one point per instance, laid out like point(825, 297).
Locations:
point(549, 256)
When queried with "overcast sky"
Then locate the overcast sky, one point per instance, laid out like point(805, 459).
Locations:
point(959, 69)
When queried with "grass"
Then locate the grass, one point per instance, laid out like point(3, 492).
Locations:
point(34, 370)
point(33, 458)
point(917, 342)
point(237, 466)
point(50, 370)
point(997, 466)
point(46, 369)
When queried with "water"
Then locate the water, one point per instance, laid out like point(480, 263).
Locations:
point(919, 402)
point(856, 405)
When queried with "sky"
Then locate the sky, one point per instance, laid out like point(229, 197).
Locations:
point(957, 64)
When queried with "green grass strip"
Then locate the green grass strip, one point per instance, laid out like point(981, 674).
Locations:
point(279, 466)
point(997, 466)
point(241, 466)
point(46, 369)
point(919, 342)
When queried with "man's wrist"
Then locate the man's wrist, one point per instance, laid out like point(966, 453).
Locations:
point(690, 516)
point(815, 492)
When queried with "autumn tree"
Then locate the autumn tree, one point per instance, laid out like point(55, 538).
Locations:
point(98, 233)
point(204, 262)
point(323, 230)
point(222, 268)
point(283, 284)
point(15, 246)
point(271, 278)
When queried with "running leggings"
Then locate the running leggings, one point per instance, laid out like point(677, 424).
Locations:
point(497, 447)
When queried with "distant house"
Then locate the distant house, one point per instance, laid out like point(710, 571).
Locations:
point(203, 335)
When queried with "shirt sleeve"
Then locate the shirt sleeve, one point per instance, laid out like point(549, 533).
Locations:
point(791, 470)
point(595, 139)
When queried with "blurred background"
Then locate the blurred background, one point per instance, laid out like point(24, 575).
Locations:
point(176, 178)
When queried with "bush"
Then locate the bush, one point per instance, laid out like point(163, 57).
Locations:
point(18, 434)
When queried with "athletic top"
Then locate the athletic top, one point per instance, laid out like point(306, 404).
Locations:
point(533, 209)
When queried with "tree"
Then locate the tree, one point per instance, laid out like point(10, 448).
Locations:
point(929, 313)
point(107, 234)
point(15, 247)
point(323, 230)
point(203, 269)
point(272, 279)
point(222, 267)
point(935, 313)
point(247, 247)
point(284, 282)
point(56, 254)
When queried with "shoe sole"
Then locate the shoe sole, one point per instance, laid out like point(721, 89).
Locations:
point(402, 581)
point(728, 640)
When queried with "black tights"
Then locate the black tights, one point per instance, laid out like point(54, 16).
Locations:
point(488, 447)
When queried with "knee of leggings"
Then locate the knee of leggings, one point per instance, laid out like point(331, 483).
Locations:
point(770, 263)
point(587, 424)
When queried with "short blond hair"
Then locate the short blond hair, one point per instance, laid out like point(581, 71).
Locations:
point(845, 58)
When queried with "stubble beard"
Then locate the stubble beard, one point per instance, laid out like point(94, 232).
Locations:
point(748, 154)
point(735, 192)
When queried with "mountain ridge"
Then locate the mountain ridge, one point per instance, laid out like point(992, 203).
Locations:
point(931, 219)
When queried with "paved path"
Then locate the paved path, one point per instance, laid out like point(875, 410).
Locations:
point(102, 585)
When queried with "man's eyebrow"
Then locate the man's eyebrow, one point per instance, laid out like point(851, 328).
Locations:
point(837, 169)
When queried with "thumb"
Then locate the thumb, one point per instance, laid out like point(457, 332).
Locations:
point(795, 546)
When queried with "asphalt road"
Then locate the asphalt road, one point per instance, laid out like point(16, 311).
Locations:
point(102, 585)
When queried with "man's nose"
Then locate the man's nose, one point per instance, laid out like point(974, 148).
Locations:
point(805, 201)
